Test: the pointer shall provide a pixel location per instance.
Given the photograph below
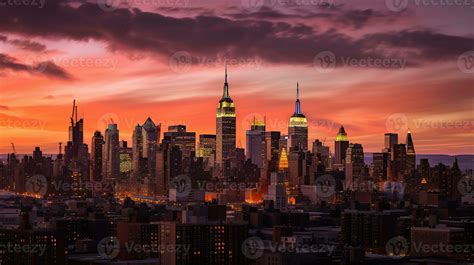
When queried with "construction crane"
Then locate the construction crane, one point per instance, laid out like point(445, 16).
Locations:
point(14, 149)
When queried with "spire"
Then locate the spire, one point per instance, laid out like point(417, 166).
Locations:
point(226, 71)
point(226, 85)
point(409, 143)
point(297, 104)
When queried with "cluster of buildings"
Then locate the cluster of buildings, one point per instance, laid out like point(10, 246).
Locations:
point(278, 201)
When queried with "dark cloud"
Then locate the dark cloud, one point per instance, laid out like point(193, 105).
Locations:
point(48, 69)
point(24, 44)
point(205, 36)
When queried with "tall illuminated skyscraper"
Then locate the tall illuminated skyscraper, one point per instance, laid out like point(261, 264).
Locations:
point(225, 126)
point(411, 156)
point(341, 144)
point(298, 127)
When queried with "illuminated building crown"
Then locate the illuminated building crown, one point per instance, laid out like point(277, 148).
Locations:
point(298, 119)
point(342, 135)
point(226, 107)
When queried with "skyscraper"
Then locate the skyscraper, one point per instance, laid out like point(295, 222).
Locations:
point(76, 152)
point(411, 156)
point(354, 165)
point(111, 155)
point(254, 142)
point(96, 156)
point(225, 126)
point(186, 141)
point(390, 140)
point(341, 144)
point(298, 127)
point(145, 143)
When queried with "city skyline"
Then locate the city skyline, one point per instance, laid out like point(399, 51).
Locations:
point(132, 79)
point(328, 127)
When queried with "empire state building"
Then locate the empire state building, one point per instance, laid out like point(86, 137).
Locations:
point(298, 127)
point(225, 119)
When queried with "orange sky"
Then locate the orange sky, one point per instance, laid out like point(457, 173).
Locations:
point(435, 100)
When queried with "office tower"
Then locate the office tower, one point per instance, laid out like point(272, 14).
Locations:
point(380, 166)
point(76, 152)
point(168, 166)
point(296, 167)
point(277, 191)
point(97, 144)
point(390, 140)
point(284, 141)
point(354, 166)
point(341, 144)
point(322, 153)
point(111, 157)
point(298, 127)
point(225, 126)
point(186, 141)
point(397, 165)
point(207, 147)
point(255, 141)
point(411, 156)
point(145, 140)
point(126, 154)
point(271, 146)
